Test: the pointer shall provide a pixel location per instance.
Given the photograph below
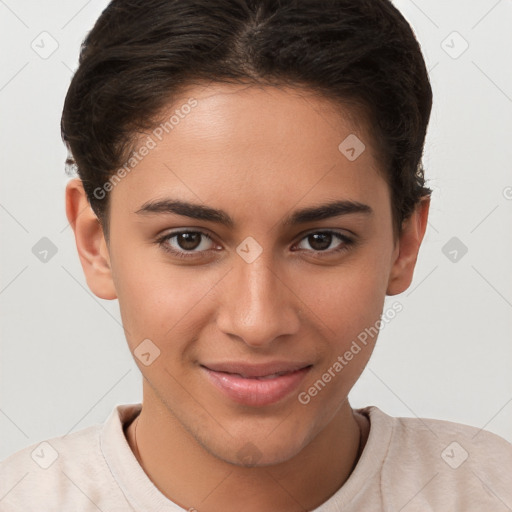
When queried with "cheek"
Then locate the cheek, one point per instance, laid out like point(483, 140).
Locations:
point(347, 308)
point(159, 301)
point(345, 300)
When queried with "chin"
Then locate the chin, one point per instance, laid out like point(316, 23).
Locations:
point(255, 451)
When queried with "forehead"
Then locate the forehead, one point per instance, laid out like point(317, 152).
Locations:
point(221, 143)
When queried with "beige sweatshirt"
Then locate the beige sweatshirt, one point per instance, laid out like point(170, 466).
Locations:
point(408, 464)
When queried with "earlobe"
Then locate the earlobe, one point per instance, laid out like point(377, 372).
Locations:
point(413, 231)
point(90, 241)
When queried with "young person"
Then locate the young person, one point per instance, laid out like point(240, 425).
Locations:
point(251, 189)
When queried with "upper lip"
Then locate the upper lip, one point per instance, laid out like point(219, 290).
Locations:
point(256, 370)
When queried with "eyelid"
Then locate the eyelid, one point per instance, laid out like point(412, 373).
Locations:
point(179, 231)
point(338, 231)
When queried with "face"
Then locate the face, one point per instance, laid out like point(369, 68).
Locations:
point(252, 252)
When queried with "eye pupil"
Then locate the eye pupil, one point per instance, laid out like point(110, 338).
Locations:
point(324, 238)
point(189, 241)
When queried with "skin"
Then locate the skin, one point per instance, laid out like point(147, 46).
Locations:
point(259, 153)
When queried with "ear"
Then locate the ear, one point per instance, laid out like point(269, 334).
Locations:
point(90, 241)
point(408, 246)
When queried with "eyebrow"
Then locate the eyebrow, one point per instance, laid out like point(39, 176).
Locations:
point(201, 212)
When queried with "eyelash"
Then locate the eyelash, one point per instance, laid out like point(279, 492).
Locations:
point(345, 246)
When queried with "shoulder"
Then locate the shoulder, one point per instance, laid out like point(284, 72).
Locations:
point(44, 454)
point(451, 465)
point(66, 472)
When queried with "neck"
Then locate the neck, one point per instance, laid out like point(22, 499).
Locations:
point(193, 478)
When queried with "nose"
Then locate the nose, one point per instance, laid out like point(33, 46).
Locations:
point(258, 305)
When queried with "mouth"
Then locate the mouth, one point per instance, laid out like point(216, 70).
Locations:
point(256, 385)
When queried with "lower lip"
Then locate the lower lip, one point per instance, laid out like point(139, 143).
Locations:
point(256, 392)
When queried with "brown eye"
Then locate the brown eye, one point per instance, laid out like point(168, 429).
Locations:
point(327, 241)
point(189, 240)
point(320, 241)
point(186, 243)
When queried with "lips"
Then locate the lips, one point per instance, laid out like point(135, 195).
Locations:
point(255, 385)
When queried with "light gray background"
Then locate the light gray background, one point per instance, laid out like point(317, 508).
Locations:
point(64, 360)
